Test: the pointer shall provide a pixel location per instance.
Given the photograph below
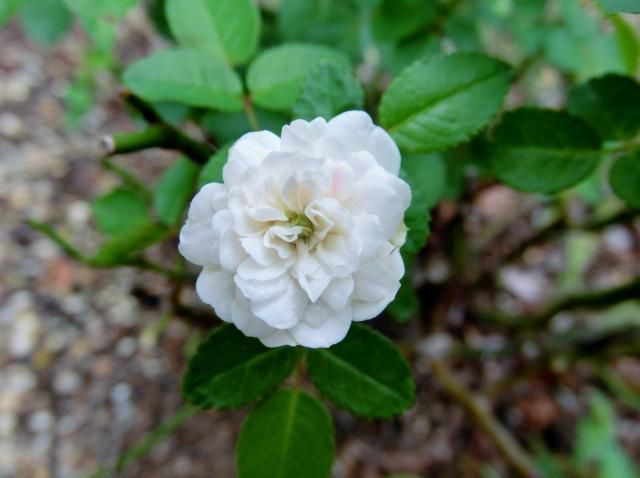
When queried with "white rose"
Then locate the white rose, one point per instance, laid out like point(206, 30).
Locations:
point(297, 242)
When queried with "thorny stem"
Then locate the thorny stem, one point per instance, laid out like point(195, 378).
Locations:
point(158, 135)
point(508, 446)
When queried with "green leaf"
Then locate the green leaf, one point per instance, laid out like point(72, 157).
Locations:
point(328, 89)
point(226, 29)
point(7, 10)
point(100, 8)
point(580, 46)
point(439, 102)
point(543, 151)
point(364, 374)
point(171, 195)
point(596, 442)
point(613, 6)
point(416, 218)
point(275, 77)
point(394, 20)
point(610, 104)
point(228, 127)
point(406, 303)
point(335, 23)
point(119, 249)
point(627, 43)
point(212, 171)
point(427, 173)
point(625, 179)
point(185, 76)
point(290, 435)
point(397, 56)
point(120, 211)
point(230, 369)
point(45, 21)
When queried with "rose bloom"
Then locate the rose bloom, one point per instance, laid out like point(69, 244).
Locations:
point(302, 238)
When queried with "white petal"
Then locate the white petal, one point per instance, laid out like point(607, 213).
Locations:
point(312, 277)
point(338, 293)
point(231, 252)
point(199, 243)
point(256, 290)
point(251, 270)
point(216, 288)
point(198, 238)
point(357, 132)
point(284, 310)
point(370, 235)
point(266, 213)
point(383, 200)
point(376, 283)
point(246, 153)
point(301, 135)
point(249, 324)
point(259, 251)
point(336, 256)
point(322, 326)
point(278, 339)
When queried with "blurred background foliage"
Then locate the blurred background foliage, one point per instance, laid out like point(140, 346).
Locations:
point(553, 45)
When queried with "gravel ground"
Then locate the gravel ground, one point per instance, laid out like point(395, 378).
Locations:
point(85, 369)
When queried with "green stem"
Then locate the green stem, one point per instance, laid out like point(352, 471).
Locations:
point(588, 300)
point(517, 457)
point(125, 176)
point(52, 234)
point(251, 114)
point(147, 444)
point(158, 136)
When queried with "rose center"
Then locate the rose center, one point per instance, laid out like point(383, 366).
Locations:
point(301, 221)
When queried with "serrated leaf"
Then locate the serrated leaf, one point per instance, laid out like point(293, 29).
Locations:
point(7, 9)
point(439, 102)
point(229, 369)
point(45, 21)
point(276, 76)
point(610, 104)
point(185, 76)
point(364, 374)
point(328, 89)
point(174, 189)
point(625, 179)
point(120, 211)
point(613, 6)
point(118, 249)
point(416, 219)
point(290, 435)
point(212, 171)
point(543, 151)
point(226, 29)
